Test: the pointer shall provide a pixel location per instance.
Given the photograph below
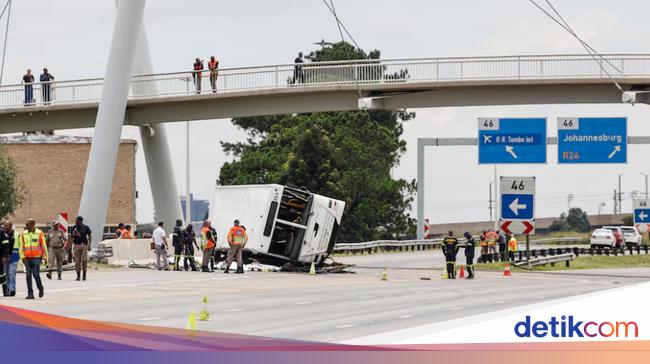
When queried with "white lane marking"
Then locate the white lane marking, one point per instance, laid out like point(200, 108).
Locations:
point(366, 297)
point(150, 318)
point(344, 326)
point(304, 303)
point(541, 297)
point(501, 302)
point(234, 310)
point(405, 316)
point(456, 308)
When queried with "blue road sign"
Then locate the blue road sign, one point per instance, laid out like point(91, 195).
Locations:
point(642, 216)
point(592, 140)
point(517, 207)
point(511, 141)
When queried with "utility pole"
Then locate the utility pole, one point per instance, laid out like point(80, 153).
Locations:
point(615, 203)
point(569, 198)
point(620, 195)
point(490, 201)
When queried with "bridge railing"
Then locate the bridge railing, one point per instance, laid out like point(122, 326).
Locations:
point(361, 73)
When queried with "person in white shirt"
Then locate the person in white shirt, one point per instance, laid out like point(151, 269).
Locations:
point(160, 243)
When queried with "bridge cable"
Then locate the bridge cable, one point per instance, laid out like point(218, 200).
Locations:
point(341, 27)
point(4, 47)
point(590, 50)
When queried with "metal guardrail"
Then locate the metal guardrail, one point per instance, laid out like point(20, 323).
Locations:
point(422, 243)
point(344, 73)
point(550, 259)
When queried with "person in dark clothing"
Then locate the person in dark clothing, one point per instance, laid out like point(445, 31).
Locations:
point(470, 245)
point(197, 73)
point(298, 74)
point(6, 248)
point(189, 241)
point(81, 240)
point(216, 254)
point(28, 80)
point(46, 86)
point(503, 251)
point(450, 248)
point(177, 243)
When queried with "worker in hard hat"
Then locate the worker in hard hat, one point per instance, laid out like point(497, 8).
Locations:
point(237, 239)
point(450, 248)
point(470, 246)
point(208, 243)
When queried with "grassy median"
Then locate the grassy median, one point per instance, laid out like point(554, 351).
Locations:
point(584, 262)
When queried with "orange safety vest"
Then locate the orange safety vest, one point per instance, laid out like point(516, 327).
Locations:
point(126, 234)
point(205, 242)
point(32, 245)
point(492, 237)
point(121, 233)
point(237, 235)
point(212, 66)
point(512, 244)
point(483, 241)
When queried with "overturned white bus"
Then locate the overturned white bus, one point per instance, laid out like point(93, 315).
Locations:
point(282, 223)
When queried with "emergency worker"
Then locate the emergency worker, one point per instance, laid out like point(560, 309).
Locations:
point(237, 239)
point(450, 248)
point(512, 248)
point(33, 251)
point(177, 243)
point(469, 254)
point(208, 243)
point(55, 240)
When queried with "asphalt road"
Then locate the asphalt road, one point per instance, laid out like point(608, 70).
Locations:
point(333, 307)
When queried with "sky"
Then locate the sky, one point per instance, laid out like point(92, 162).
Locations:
point(72, 39)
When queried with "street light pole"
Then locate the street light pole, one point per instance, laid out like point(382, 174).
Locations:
point(620, 194)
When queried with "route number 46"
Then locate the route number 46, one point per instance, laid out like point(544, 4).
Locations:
point(518, 185)
point(643, 203)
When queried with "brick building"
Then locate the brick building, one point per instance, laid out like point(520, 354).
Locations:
point(51, 169)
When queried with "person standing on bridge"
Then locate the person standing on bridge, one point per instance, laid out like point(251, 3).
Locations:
point(197, 73)
point(208, 243)
point(298, 73)
point(161, 245)
point(213, 66)
point(33, 251)
point(46, 86)
point(450, 249)
point(28, 80)
point(55, 240)
point(81, 240)
point(470, 246)
point(237, 239)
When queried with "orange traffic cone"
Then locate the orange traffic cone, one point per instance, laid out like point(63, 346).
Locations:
point(461, 274)
point(506, 270)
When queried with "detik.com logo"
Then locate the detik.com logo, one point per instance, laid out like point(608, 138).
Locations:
point(568, 326)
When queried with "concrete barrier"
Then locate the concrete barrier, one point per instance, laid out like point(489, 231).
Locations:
point(125, 250)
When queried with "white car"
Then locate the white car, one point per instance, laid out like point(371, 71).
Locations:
point(603, 237)
point(631, 235)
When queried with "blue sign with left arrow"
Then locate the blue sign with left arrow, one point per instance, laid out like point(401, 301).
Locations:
point(517, 207)
point(511, 140)
point(642, 216)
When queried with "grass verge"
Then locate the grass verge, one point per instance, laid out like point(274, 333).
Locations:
point(585, 262)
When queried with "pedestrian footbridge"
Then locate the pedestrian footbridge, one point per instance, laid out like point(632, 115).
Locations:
point(336, 86)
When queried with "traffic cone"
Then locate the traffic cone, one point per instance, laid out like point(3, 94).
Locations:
point(444, 273)
point(461, 274)
point(384, 275)
point(204, 315)
point(312, 269)
point(191, 322)
point(506, 270)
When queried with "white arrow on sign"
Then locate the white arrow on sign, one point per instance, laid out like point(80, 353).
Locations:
point(616, 150)
point(515, 206)
point(511, 150)
point(643, 215)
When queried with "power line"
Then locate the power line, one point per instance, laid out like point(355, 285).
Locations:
point(590, 50)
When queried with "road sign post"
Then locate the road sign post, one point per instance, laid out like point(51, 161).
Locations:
point(591, 140)
point(517, 205)
point(641, 214)
point(511, 141)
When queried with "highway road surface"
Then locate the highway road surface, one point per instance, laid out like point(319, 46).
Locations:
point(334, 307)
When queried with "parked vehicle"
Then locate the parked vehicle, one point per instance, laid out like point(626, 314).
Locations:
point(631, 235)
point(618, 234)
point(603, 237)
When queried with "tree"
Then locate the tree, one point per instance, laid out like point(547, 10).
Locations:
point(576, 220)
point(10, 191)
point(344, 155)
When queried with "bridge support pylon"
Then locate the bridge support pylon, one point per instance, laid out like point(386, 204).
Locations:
point(98, 181)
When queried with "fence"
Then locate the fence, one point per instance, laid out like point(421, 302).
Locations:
point(341, 73)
